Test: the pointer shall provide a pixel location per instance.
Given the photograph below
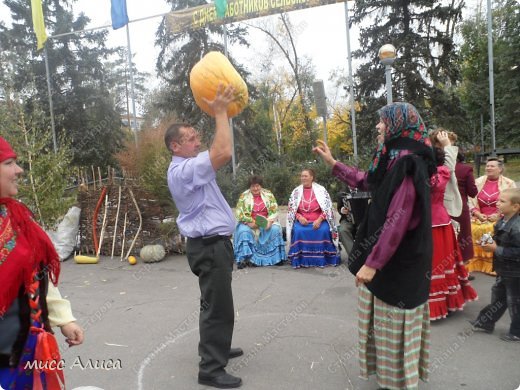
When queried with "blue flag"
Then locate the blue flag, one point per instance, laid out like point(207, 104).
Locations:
point(119, 14)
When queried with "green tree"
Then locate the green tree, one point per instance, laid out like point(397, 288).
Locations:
point(474, 89)
point(119, 83)
point(426, 69)
point(178, 54)
point(84, 107)
point(47, 174)
point(282, 36)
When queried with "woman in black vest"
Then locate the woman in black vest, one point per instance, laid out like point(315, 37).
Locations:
point(392, 255)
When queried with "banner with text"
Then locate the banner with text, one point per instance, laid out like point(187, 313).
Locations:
point(199, 17)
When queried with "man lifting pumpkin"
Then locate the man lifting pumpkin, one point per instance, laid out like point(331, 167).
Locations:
point(207, 220)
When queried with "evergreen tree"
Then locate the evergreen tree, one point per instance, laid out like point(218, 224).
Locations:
point(426, 70)
point(47, 174)
point(84, 108)
point(118, 79)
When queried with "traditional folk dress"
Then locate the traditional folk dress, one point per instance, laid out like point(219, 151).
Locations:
point(395, 239)
point(450, 288)
point(259, 246)
point(486, 203)
point(27, 262)
point(311, 247)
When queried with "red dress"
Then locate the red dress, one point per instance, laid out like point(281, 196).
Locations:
point(450, 288)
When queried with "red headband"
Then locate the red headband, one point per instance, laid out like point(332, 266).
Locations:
point(6, 151)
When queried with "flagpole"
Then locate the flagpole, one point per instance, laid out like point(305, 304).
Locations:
point(47, 73)
point(131, 82)
point(233, 158)
point(491, 76)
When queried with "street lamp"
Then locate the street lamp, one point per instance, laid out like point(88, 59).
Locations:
point(387, 54)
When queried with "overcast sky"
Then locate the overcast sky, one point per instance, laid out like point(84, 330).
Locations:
point(322, 37)
point(323, 34)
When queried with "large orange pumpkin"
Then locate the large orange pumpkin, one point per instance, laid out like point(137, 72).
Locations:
point(212, 69)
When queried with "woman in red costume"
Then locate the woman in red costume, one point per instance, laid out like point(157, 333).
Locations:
point(450, 288)
point(29, 300)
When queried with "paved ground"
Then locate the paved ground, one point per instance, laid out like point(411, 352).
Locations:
point(297, 328)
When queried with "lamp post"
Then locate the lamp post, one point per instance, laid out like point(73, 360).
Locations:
point(491, 76)
point(351, 87)
point(387, 54)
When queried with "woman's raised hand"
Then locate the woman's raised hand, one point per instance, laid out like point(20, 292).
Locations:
point(324, 152)
point(443, 138)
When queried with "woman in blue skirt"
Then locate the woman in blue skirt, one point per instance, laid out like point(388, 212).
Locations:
point(310, 225)
point(258, 237)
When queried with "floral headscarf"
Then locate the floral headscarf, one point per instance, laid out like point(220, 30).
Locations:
point(405, 130)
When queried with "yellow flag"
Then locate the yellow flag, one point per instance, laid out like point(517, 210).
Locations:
point(38, 23)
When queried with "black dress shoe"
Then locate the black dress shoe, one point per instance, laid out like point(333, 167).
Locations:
point(224, 381)
point(235, 352)
point(241, 265)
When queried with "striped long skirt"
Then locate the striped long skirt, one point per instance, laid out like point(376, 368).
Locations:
point(394, 343)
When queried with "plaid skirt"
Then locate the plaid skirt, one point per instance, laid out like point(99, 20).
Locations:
point(394, 343)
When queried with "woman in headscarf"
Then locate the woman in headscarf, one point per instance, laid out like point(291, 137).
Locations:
point(29, 301)
point(311, 228)
point(450, 288)
point(253, 244)
point(392, 255)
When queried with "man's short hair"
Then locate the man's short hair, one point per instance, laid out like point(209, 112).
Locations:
point(173, 133)
point(514, 194)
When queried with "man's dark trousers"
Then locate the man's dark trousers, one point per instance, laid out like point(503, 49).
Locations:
point(212, 262)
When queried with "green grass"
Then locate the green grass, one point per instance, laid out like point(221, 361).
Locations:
point(512, 170)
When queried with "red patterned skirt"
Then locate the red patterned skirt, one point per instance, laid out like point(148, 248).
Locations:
point(450, 288)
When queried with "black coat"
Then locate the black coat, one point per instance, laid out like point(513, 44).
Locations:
point(506, 260)
point(404, 281)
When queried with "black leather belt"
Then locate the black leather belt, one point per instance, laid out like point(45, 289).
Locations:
point(208, 240)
